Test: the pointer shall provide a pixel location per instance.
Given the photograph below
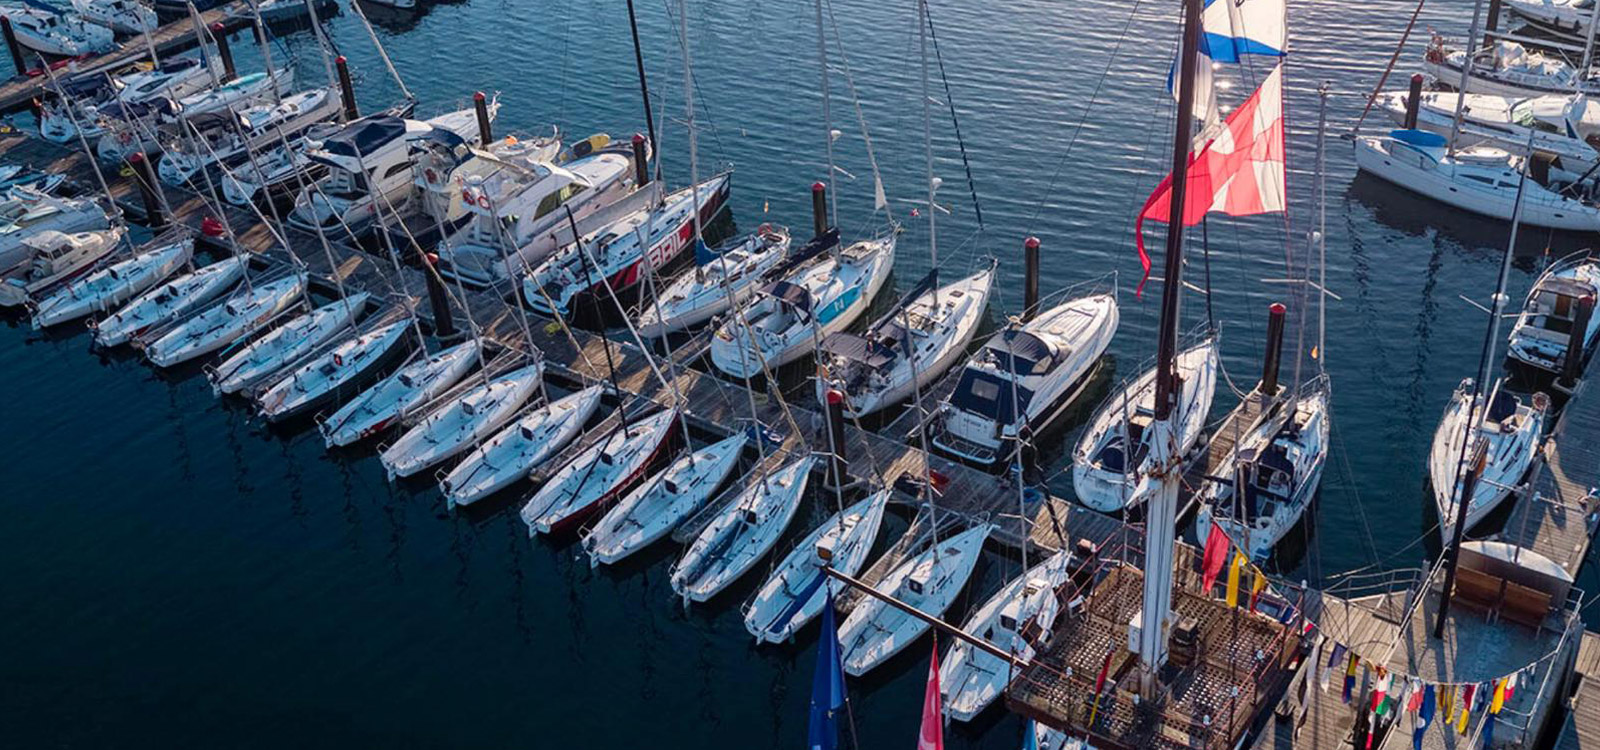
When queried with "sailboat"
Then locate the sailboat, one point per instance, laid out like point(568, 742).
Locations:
point(599, 475)
point(1111, 464)
point(121, 16)
point(247, 312)
point(56, 34)
point(321, 377)
point(1510, 427)
point(258, 360)
point(55, 258)
point(215, 138)
point(656, 507)
point(793, 594)
point(744, 532)
point(169, 301)
point(1024, 376)
point(26, 211)
point(394, 398)
point(971, 679)
point(930, 581)
point(908, 348)
point(723, 278)
point(112, 285)
point(472, 416)
point(514, 451)
point(1559, 126)
point(1544, 329)
point(1507, 68)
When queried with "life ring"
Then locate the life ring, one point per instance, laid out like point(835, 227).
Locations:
point(764, 230)
point(466, 195)
point(430, 175)
point(483, 202)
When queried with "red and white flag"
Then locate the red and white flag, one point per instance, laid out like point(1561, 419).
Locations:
point(1239, 171)
point(932, 736)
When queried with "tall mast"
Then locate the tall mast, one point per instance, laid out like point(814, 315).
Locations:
point(927, 146)
point(644, 87)
point(1163, 505)
point(827, 118)
point(1466, 74)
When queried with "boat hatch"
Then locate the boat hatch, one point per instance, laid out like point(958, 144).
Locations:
point(825, 549)
point(606, 458)
point(748, 515)
point(469, 407)
point(527, 432)
point(670, 486)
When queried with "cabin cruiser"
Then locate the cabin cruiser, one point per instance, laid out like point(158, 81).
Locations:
point(27, 211)
point(1510, 430)
point(1544, 329)
point(1482, 180)
point(369, 167)
point(217, 136)
point(1505, 69)
point(442, 162)
point(723, 278)
point(55, 258)
point(1279, 462)
point(520, 211)
point(121, 16)
point(112, 285)
point(618, 258)
point(281, 170)
point(55, 34)
point(1566, 19)
point(909, 348)
point(814, 296)
point(1111, 465)
point(1023, 377)
point(1564, 129)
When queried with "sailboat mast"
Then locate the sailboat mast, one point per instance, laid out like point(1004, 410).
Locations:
point(827, 118)
point(644, 86)
point(1466, 74)
point(688, 110)
point(1322, 227)
point(927, 147)
point(1163, 505)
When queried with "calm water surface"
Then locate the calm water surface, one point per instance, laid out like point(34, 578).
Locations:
point(177, 575)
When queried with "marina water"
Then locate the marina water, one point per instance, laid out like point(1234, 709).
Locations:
point(179, 575)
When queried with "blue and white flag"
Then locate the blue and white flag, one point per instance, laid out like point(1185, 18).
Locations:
point(1235, 28)
point(827, 691)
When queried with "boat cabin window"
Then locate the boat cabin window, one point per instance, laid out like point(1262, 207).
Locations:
point(914, 585)
point(469, 408)
point(527, 432)
point(407, 381)
point(670, 486)
point(606, 459)
point(554, 200)
point(1009, 623)
point(401, 168)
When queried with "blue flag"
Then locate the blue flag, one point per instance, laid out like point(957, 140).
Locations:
point(1424, 717)
point(1030, 736)
point(703, 256)
point(827, 690)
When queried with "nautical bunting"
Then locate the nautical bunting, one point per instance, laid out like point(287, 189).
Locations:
point(1350, 676)
point(932, 735)
point(827, 690)
point(1424, 717)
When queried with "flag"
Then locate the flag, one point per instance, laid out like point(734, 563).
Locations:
point(1258, 583)
point(1030, 735)
point(1233, 579)
point(1414, 702)
point(1466, 707)
point(1215, 555)
point(1447, 700)
point(1232, 29)
point(1425, 717)
point(1350, 675)
point(932, 735)
point(1499, 699)
point(1488, 732)
point(1333, 661)
point(1314, 661)
point(1239, 171)
point(827, 688)
point(1380, 693)
point(1511, 684)
point(1100, 685)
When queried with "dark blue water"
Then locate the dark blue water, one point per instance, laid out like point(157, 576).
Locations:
point(178, 575)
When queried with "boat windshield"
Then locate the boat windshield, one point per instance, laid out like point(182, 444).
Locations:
point(988, 395)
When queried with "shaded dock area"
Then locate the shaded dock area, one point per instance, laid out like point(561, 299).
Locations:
point(1558, 510)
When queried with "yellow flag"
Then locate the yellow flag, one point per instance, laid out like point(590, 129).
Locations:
point(1233, 579)
point(1499, 696)
point(1447, 699)
point(1466, 712)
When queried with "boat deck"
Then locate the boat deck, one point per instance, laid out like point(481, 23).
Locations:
point(20, 91)
point(1557, 514)
point(1581, 730)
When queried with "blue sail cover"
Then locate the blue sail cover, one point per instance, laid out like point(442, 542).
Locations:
point(827, 690)
point(703, 256)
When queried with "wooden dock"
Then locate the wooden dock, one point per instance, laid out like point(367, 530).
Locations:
point(20, 91)
point(1556, 514)
point(1581, 729)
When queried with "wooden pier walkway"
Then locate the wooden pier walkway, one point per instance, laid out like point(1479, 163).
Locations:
point(20, 91)
point(1556, 514)
point(1581, 729)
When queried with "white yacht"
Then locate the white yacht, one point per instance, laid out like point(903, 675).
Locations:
point(1565, 19)
point(794, 593)
point(743, 533)
point(410, 388)
point(26, 212)
point(55, 34)
point(322, 378)
point(121, 16)
point(1563, 128)
point(600, 475)
point(656, 507)
point(1481, 180)
point(55, 258)
point(112, 285)
point(515, 450)
point(442, 162)
point(930, 581)
point(1024, 376)
point(1279, 463)
point(723, 278)
point(470, 417)
point(1110, 466)
point(169, 301)
point(971, 679)
point(217, 137)
point(789, 318)
point(1506, 69)
point(1511, 428)
point(909, 348)
point(246, 313)
point(257, 361)
point(1544, 328)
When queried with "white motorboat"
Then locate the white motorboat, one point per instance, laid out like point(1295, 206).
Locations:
point(909, 348)
point(54, 259)
point(1557, 124)
point(175, 78)
point(442, 163)
point(409, 388)
point(1544, 328)
point(1512, 430)
point(515, 450)
point(240, 92)
point(169, 301)
point(722, 278)
point(121, 16)
point(55, 34)
point(256, 362)
point(1481, 180)
point(742, 533)
point(930, 581)
point(127, 128)
point(787, 319)
point(599, 475)
point(795, 592)
point(1506, 69)
point(1024, 376)
point(324, 376)
point(217, 137)
point(1110, 470)
point(1279, 463)
point(26, 212)
point(971, 679)
point(113, 285)
point(276, 170)
point(621, 255)
point(656, 507)
point(368, 166)
point(473, 416)
point(1567, 19)
point(518, 205)
point(241, 316)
